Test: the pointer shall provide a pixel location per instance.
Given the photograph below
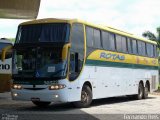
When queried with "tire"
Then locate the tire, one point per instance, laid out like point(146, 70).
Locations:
point(86, 98)
point(146, 91)
point(140, 94)
point(41, 104)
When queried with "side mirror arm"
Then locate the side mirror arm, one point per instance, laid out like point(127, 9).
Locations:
point(65, 51)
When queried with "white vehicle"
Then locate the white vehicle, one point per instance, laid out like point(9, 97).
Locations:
point(5, 65)
point(57, 60)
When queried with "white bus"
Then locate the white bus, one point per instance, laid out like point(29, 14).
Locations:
point(5, 65)
point(58, 60)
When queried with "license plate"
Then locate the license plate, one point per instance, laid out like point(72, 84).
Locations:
point(35, 99)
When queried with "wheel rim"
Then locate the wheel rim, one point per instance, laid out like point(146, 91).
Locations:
point(84, 97)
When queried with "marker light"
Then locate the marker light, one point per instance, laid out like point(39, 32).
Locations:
point(56, 87)
point(15, 86)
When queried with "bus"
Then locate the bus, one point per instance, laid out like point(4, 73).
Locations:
point(5, 65)
point(70, 60)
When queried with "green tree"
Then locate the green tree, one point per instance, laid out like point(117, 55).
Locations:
point(12, 39)
point(152, 36)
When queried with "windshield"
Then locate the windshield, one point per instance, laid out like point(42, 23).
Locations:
point(2, 46)
point(39, 62)
point(49, 32)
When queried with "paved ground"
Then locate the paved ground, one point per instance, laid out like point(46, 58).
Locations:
point(110, 108)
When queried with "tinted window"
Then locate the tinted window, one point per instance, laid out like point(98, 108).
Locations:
point(105, 40)
point(89, 36)
point(77, 38)
point(134, 46)
point(118, 43)
point(139, 47)
point(124, 44)
point(93, 37)
point(129, 45)
point(97, 38)
point(112, 41)
point(143, 48)
point(108, 41)
point(9, 53)
point(49, 32)
point(121, 43)
point(155, 51)
point(76, 51)
point(3, 45)
point(150, 50)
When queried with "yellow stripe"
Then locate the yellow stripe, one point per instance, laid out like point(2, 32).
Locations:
point(103, 55)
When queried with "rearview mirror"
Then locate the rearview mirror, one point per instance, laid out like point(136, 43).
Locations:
point(65, 51)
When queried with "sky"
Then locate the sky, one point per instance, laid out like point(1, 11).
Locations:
point(133, 16)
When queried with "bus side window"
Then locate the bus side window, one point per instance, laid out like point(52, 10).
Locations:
point(150, 50)
point(134, 47)
point(155, 51)
point(129, 45)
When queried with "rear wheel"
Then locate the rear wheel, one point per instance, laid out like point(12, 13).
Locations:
point(146, 91)
point(41, 104)
point(139, 96)
point(86, 97)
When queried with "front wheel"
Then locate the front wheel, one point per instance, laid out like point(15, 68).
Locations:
point(41, 104)
point(86, 97)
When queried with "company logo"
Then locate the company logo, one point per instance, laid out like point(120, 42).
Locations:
point(112, 56)
point(5, 66)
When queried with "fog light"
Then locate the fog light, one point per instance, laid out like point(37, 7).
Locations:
point(56, 96)
point(56, 87)
point(15, 94)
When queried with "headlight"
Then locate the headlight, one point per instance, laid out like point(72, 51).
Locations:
point(15, 86)
point(56, 87)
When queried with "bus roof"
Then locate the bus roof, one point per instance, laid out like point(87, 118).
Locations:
point(106, 28)
point(4, 40)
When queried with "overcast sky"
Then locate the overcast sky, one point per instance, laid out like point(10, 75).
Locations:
point(134, 16)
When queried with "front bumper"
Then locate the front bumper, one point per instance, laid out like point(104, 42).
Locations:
point(44, 95)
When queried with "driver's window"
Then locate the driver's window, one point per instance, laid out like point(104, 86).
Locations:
point(72, 63)
point(74, 66)
point(76, 51)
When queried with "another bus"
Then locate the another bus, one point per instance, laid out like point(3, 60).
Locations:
point(59, 60)
point(5, 65)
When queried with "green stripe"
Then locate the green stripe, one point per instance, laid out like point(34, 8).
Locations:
point(118, 64)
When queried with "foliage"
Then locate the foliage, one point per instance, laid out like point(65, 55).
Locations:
point(149, 35)
point(12, 39)
point(152, 36)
